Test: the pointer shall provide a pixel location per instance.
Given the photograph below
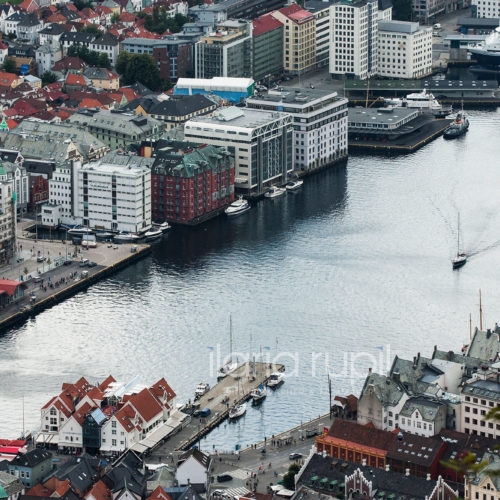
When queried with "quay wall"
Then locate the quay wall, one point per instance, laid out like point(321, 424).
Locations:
point(72, 289)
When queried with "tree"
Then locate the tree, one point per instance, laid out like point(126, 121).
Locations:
point(9, 65)
point(289, 477)
point(139, 68)
point(48, 77)
point(115, 18)
point(92, 28)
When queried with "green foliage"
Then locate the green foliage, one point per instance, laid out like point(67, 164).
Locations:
point(401, 10)
point(9, 65)
point(159, 21)
point(115, 17)
point(92, 28)
point(48, 77)
point(139, 68)
point(81, 4)
point(91, 57)
point(289, 481)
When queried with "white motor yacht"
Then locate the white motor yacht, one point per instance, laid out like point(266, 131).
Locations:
point(238, 207)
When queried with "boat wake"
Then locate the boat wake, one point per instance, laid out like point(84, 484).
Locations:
point(496, 244)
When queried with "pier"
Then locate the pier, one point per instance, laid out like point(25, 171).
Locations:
point(234, 389)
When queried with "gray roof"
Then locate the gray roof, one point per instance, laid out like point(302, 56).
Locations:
point(489, 389)
point(428, 408)
point(485, 345)
point(29, 20)
point(31, 458)
point(180, 106)
point(107, 39)
point(117, 158)
point(491, 470)
point(36, 148)
point(199, 456)
point(11, 484)
point(388, 481)
point(79, 471)
point(385, 389)
point(52, 29)
point(77, 37)
point(60, 132)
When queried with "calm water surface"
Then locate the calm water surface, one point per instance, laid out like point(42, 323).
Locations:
point(338, 277)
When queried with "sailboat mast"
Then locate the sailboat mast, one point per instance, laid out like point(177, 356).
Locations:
point(230, 337)
point(480, 312)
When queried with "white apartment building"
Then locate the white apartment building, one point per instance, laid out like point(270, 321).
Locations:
point(260, 142)
point(7, 217)
point(404, 50)
point(61, 208)
point(486, 8)
point(479, 396)
point(320, 124)
point(321, 12)
point(114, 197)
point(354, 40)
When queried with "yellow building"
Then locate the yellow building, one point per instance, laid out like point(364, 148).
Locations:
point(299, 38)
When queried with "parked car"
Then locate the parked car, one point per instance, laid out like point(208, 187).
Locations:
point(68, 262)
point(295, 456)
point(91, 264)
point(223, 478)
point(41, 258)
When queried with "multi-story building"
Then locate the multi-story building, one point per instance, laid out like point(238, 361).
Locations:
point(404, 50)
point(7, 217)
point(353, 47)
point(114, 197)
point(117, 130)
point(173, 54)
point(479, 396)
point(215, 13)
point(426, 10)
point(299, 38)
point(260, 142)
point(320, 124)
point(192, 186)
point(267, 48)
point(486, 8)
point(31, 467)
point(321, 11)
point(225, 52)
point(483, 483)
point(18, 174)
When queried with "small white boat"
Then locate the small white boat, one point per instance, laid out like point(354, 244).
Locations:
point(201, 389)
point(238, 207)
point(294, 184)
point(162, 226)
point(103, 236)
point(275, 192)
point(237, 411)
point(231, 365)
point(275, 380)
point(153, 234)
point(125, 237)
point(80, 231)
point(258, 395)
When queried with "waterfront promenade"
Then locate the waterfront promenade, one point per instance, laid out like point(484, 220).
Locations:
point(49, 281)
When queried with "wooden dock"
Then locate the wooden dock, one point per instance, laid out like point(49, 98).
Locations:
point(231, 390)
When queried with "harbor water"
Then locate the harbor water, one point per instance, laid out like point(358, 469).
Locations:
point(334, 279)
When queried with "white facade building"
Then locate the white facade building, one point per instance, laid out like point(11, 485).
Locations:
point(486, 8)
point(259, 141)
point(114, 197)
point(354, 36)
point(404, 50)
point(193, 468)
point(320, 121)
point(61, 208)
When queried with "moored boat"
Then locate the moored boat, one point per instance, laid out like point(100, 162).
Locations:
point(487, 53)
point(162, 226)
point(275, 379)
point(457, 127)
point(237, 207)
point(125, 237)
point(103, 236)
point(275, 192)
point(237, 411)
point(153, 234)
point(293, 185)
point(425, 101)
point(80, 230)
point(258, 395)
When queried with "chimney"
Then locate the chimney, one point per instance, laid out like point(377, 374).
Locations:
point(370, 370)
point(387, 467)
point(407, 473)
point(363, 462)
point(428, 476)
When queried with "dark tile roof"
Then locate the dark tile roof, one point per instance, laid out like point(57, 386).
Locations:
point(29, 20)
point(79, 471)
point(181, 105)
point(77, 37)
point(388, 481)
point(419, 450)
point(52, 29)
point(362, 434)
point(107, 39)
point(31, 458)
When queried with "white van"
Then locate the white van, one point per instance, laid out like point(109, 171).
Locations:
point(437, 26)
point(84, 262)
